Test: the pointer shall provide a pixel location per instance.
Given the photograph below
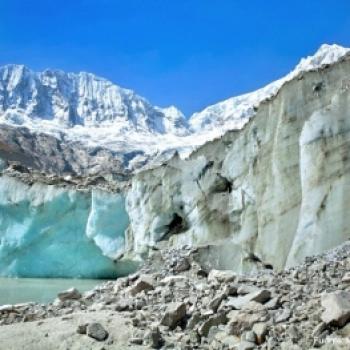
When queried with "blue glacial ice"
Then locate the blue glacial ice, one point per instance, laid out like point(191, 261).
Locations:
point(51, 231)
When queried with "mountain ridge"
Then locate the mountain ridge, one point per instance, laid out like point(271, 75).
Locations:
point(81, 98)
point(94, 112)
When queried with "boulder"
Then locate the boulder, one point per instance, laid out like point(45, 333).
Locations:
point(215, 302)
point(221, 276)
point(144, 283)
point(229, 341)
point(260, 296)
point(171, 280)
point(182, 265)
point(82, 328)
point(194, 320)
point(245, 345)
point(249, 336)
point(6, 308)
point(336, 308)
point(346, 278)
point(124, 304)
point(96, 331)
point(154, 338)
point(174, 314)
point(283, 316)
point(212, 321)
point(244, 289)
point(69, 294)
point(240, 321)
point(260, 329)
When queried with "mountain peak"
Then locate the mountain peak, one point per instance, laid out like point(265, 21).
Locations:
point(234, 112)
point(326, 54)
point(70, 99)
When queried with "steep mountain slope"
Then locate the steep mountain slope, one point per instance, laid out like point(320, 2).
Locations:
point(234, 112)
point(67, 100)
point(79, 123)
point(96, 122)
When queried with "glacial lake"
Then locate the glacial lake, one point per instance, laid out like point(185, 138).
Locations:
point(40, 290)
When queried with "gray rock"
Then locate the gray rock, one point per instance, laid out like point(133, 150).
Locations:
point(272, 304)
point(293, 333)
point(259, 296)
point(260, 329)
point(244, 289)
point(6, 308)
point(123, 305)
point(194, 320)
point(182, 265)
point(136, 340)
point(283, 316)
point(144, 283)
point(230, 341)
point(249, 336)
point(321, 327)
point(221, 275)
point(96, 331)
point(245, 345)
point(69, 294)
point(241, 321)
point(346, 278)
point(290, 346)
point(154, 338)
point(215, 303)
point(336, 308)
point(174, 313)
point(172, 280)
point(82, 329)
point(212, 321)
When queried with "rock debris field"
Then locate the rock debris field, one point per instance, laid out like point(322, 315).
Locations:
point(174, 303)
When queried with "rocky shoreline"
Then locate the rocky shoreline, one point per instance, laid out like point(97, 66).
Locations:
point(174, 303)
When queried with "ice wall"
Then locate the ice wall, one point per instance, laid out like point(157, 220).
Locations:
point(49, 231)
point(265, 196)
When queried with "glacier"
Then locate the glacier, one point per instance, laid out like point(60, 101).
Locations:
point(267, 195)
point(48, 231)
point(267, 191)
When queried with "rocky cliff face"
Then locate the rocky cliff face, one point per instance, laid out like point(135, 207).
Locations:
point(69, 99)
point(79, 123)
point(58, 155)
point(267, 195)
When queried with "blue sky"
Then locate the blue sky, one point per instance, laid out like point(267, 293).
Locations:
point(190, 53)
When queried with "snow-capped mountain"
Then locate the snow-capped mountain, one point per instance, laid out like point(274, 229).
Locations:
point(234, 112)
point(67, 100)
point(99, 120)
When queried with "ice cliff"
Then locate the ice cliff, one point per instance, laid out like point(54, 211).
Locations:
point(265, 196)
point(50, 231)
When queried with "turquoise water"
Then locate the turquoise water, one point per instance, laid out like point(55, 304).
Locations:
point(41, 290)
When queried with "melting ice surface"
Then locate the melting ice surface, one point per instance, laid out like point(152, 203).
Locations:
point(23, 290)
point(50, 231)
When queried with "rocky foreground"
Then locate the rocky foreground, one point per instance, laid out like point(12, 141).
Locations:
point(174, 303)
